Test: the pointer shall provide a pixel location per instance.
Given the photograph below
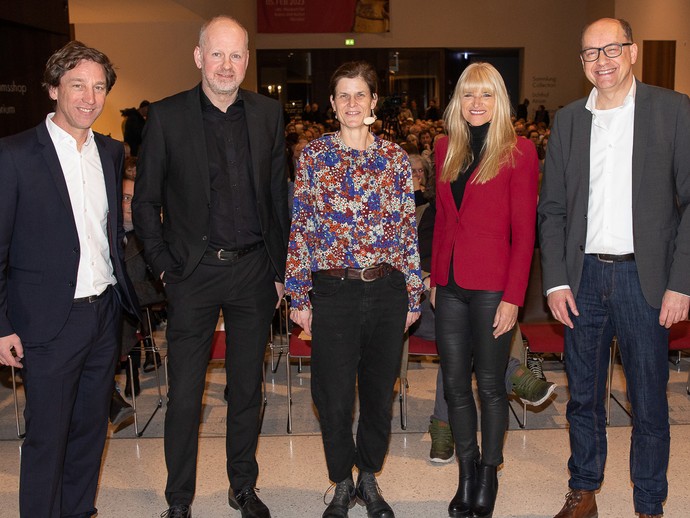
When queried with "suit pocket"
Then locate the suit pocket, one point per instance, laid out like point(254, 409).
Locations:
point(27, 276)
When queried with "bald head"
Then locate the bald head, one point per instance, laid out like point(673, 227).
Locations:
point(223, 21)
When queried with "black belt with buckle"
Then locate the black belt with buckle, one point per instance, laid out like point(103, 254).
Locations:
point(232, 255)
point(91, 298)
point(609, 258)
point(360, 274)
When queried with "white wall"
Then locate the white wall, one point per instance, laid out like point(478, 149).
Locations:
point(661, 20)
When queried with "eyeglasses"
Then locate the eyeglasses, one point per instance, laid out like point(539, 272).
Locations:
point(612, 50)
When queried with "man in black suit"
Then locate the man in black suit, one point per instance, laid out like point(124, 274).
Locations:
point(62, 283)
point(615, 250)
point(213, 162)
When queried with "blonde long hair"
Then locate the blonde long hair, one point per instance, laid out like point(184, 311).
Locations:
point(501, 138)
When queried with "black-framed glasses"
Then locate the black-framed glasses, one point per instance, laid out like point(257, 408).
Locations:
point(612, 50)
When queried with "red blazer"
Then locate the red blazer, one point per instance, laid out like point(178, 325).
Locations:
point(491, 237)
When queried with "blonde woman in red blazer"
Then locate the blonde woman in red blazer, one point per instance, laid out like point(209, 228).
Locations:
point(482, 249)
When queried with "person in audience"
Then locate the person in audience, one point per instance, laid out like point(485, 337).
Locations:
point(542, 116)
point(220, 246)
point(135, 119)
point(353, 245)
point(148, 288)
point(521, 111)
point(432, 112)
point(617, 268)
point(482, 249)
point(62, 283)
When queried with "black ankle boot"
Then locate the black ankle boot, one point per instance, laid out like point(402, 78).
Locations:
point(485, 496)
point(369, 494)
point(461, 504)
point(343, 499)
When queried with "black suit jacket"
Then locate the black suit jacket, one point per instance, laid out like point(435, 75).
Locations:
point(173, 176)
point(39, 245)
point(661, 193)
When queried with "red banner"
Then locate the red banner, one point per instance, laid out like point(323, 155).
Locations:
point(314, 16)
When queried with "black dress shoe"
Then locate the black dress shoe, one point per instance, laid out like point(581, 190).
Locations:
point(120, 410)
point(343, 500)
point(248, 503)
point(177, 511)
point(368, 494)
point(148, 361)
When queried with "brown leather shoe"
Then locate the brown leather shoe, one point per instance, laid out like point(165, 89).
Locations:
point(579, 504)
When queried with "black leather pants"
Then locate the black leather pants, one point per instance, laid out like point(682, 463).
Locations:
point(464, 326)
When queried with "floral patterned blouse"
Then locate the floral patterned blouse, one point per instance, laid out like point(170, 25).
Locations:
point(352, 209)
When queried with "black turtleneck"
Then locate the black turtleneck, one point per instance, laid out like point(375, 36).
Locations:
point(477, 139)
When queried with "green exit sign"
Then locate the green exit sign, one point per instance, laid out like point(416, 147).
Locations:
point(349, 42)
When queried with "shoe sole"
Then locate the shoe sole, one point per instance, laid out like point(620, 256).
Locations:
point(439, 460)
point(543, 399)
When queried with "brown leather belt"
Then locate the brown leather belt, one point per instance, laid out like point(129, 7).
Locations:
point(609, 258)
point(360, 274)
point(91, 298)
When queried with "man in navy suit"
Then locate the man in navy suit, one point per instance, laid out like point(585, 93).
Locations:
point(62, 283)
point(615, 251)
point(213, 161)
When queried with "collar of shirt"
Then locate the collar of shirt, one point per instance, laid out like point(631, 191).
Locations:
point(594, 94)
point(60, 137)
point(207, 105)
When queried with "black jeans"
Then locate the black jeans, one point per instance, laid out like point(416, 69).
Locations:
point(357, 333)
point(464, 327)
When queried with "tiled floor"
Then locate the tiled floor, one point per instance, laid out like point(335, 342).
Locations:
point(293, 476)
point(292, 481)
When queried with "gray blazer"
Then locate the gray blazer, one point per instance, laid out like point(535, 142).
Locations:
point(661, 192)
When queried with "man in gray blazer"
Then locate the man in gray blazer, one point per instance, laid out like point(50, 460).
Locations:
point(615, 248)
point(213, 162)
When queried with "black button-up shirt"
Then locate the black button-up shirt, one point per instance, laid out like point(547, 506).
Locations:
point(234, 214)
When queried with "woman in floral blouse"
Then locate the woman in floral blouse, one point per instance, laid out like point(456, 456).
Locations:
point(353, 245)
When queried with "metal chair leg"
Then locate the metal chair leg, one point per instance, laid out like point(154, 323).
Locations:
point(148, 344)
point(289, 391)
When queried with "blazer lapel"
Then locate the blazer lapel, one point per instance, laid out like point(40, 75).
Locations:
point(580, 151)
point(640, 136)
point(110, 176)
point(255, 138)
point(53, 163)
point(194, 122)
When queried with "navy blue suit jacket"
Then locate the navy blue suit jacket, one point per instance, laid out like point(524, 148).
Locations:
point(39, 245)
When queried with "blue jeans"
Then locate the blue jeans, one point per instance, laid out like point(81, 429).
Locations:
point(610, 302)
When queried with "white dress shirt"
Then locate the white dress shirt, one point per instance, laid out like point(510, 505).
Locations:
point(609, 213)
point(83, 174)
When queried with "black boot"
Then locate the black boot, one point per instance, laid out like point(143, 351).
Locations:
point(485, 496)
point(368, 494)
point(148, 362)
point(343, 499)
point(461, 504)
point(120, 410)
